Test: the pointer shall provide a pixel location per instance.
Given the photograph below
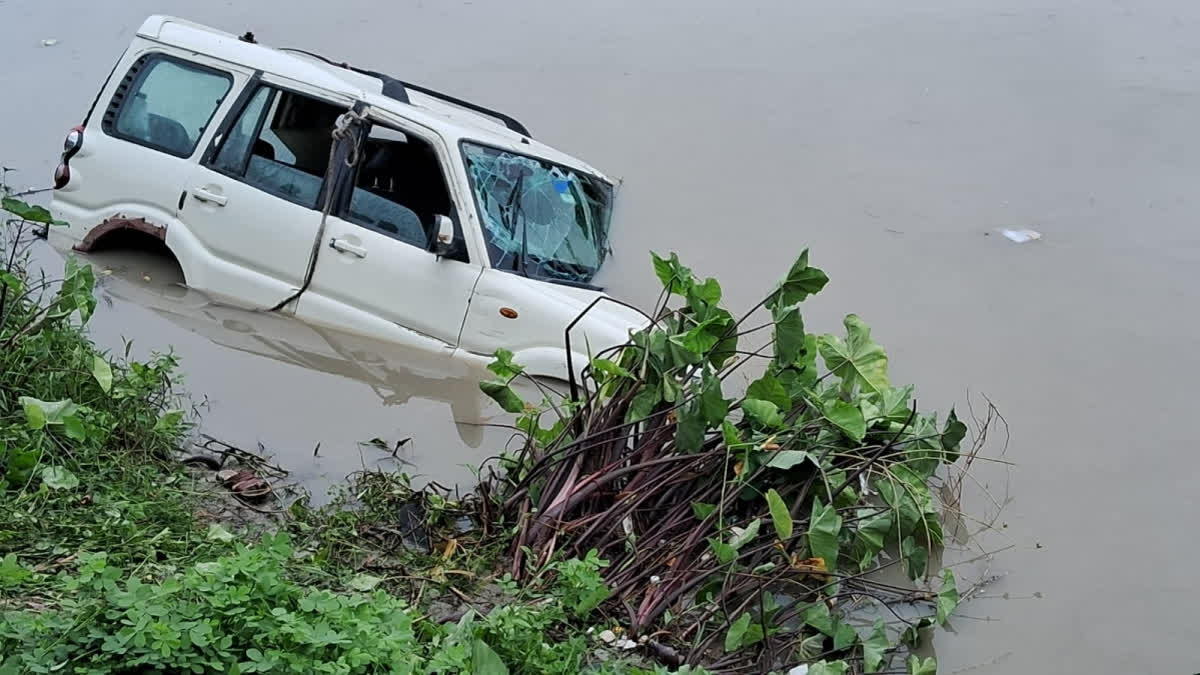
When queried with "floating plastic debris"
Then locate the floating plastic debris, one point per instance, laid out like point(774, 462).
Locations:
point(1021, 236)
point(50, 42)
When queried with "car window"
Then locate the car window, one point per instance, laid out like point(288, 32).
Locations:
point(399, 189)
point(235, 149)
point(170, 104)
point(280, 144)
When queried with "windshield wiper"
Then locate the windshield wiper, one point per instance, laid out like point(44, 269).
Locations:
point(511, 213)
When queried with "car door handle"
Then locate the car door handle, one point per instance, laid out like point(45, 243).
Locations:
point(346, 247)
point(210, 197)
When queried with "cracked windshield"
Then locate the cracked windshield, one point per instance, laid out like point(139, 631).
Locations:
point(540, 219)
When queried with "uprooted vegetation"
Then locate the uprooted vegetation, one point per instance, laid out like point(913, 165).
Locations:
point(748, 533)
point(653, 522)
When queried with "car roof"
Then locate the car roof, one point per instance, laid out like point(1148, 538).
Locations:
point(452, 121)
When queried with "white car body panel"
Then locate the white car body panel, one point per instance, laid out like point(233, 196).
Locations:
point(251, 248)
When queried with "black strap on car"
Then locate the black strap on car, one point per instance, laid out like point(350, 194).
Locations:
point(343, 150)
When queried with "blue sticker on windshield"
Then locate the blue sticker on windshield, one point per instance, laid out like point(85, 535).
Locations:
point(561, 186)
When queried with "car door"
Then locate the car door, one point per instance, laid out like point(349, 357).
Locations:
point(375, 272)
point(253, 204)
point(157, 113)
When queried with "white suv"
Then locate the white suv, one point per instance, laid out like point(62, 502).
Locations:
point(429, 221)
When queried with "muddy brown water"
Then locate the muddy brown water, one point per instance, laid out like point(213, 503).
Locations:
point(891, 138)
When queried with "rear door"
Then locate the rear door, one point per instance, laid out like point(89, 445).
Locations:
point(375, 271)
point(253, 205)
point(155, 117)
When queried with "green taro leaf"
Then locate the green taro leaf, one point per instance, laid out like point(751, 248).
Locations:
point(754, 635)
point(871, 534)
point(643, 404)
point(708, 292)
point(486, 660)
point(102, 372)
point(737, 632)
point(670, 388)
point(801, 282)
point(786, 459)
point(848, 418)
point(34, 214)
point(674, 276)
point(730, 435)
point(823, 532)
point(918, 667)
point(59, 478)
point(764, 413)
point(689, 430)
point(712, 401)
point(915, 555)
point(858, 360)
point(503, 394)
point(73, 428)
point(817, 616)
point(503, 365)
point(952, 436)
point(39, 414)
point(75, 293)
point(800, 376)
point(844, 636)
point(947, 599)
point(702, 510)
point(724, 552)
point(893, 404)
point(907, 514)
point(722, 323)
point(768, 388)
point(875, 647)
point(780, 516)
point(10, 281)
point(790, 338)
point(698, 340)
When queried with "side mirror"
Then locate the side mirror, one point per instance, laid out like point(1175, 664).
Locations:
point(443, 240)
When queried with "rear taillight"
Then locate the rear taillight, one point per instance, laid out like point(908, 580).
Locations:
point(71, 145)
point(62, 176)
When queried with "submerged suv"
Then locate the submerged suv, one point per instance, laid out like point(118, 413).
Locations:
point(426, 220)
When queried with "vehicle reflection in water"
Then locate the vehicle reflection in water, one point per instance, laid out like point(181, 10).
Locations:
point(271, 379)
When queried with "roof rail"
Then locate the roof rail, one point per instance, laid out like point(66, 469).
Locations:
point(508, 120)
point(398, 90)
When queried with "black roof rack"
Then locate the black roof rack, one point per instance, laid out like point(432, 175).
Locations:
point(398, 90)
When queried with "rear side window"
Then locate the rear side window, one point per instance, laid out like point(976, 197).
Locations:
point(166, 103)
point(280, 144)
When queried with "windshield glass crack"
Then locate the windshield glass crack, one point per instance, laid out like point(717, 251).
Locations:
point(540, 218)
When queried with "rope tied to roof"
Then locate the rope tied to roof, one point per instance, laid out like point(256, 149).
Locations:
point(344, 128)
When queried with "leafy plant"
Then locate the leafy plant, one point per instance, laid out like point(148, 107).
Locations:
point(672, 479)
